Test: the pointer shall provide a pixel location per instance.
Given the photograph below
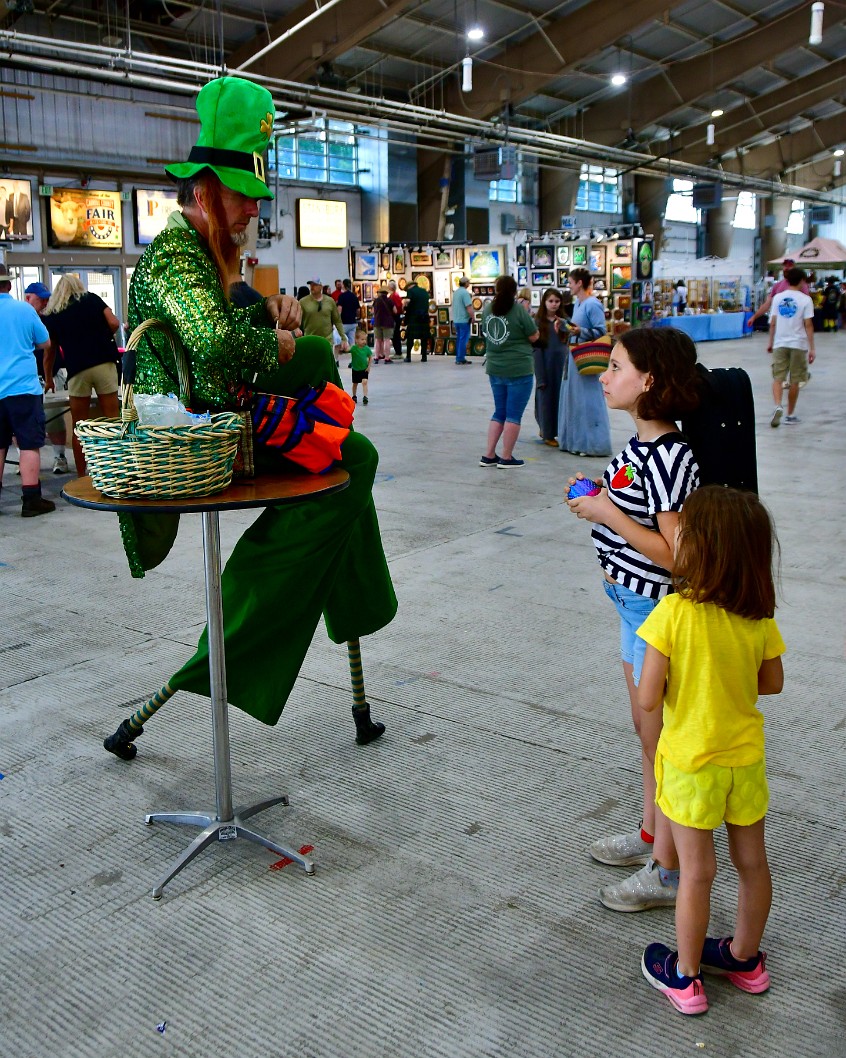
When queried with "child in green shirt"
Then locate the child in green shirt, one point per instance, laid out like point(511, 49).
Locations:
point(360, 363)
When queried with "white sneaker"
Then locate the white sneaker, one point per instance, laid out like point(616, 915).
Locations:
point(639, 892)
point(777, 414)
point(621, 850)
point(60, 465)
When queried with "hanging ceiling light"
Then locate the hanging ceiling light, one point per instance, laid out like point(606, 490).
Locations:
point(710, 134)
point(838, 153)
point(837, 167)
point(475, 33)
point(717, 113)
point(618, 79)
point(466, 74)
point(815, 36)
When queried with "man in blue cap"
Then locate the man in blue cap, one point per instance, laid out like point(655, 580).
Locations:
point(37, 295)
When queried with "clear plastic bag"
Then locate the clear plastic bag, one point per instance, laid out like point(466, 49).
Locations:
point(156, 409)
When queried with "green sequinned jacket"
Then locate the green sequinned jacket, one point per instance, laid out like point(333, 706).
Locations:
point(176, 281)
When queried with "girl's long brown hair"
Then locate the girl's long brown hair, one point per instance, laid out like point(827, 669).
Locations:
point(726, 550)
point(541, 317)
point(505, 294)
point(669, 356)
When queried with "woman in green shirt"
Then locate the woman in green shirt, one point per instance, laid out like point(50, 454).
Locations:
point(509, 332)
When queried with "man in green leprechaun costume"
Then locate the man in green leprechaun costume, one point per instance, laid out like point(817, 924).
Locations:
point(294, 563)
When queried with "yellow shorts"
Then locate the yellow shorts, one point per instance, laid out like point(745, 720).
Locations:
point(706, 798)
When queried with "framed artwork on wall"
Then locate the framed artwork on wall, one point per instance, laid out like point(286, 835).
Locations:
point(443, 259)
point(443, 330)
point(543, 279)
point(366, 265)
point(402, 283)
point(521, 255)
point(522, 276)
point(536, 299)
point(442, 288)
point(421, 259)
point(579, 255)
point(542, 256)
point(563, 278)
point(443, 315)
point(637, 290)
point(387, 262)
point(399, 261)
point(621, 277)
point(422, 279)
point(454, 278)
point(474, 329)
point(439, 346)
point(562, 255)
point(357, 290)
point(486, 263)
point(477, 347)
point(597, 260)
point(622, 251)
point(458, 256)
point(450, 346)
point(367, 291)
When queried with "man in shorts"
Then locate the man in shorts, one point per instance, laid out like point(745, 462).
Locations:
point(791, 343)
point(21, 393)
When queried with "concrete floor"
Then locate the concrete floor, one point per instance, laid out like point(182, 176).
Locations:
point(454, 910)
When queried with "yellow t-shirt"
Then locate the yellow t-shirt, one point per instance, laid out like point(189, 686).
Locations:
point(710, 716)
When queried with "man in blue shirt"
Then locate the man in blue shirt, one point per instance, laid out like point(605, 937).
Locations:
point(462, 317)
point(21, 392)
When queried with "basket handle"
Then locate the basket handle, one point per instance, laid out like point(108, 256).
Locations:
point(177, 349)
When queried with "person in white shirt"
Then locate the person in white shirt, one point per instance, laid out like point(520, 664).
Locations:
point(679, 298)
point(791, 343)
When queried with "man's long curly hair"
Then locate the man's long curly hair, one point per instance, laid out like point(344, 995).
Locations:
point(224, 252)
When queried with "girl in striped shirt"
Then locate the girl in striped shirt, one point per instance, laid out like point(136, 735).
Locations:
point(652, 376)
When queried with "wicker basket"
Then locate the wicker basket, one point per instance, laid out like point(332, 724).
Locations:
point(125, 459)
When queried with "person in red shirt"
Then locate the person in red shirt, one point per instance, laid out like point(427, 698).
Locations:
point(777, 288)
point(339, 289)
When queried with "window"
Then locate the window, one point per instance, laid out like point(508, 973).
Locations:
point(599, 190)
point(745, 214)
point(504, 191)
point(323, 151)
point(680, 204)
point(796, 220)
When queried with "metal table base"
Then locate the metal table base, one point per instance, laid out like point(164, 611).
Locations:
point(225, 825)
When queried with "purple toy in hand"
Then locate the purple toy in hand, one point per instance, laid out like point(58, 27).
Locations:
point(582, 487)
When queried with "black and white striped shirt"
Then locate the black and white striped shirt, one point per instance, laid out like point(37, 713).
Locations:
point(643, 480)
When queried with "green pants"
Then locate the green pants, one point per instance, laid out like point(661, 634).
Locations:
point(323, 556)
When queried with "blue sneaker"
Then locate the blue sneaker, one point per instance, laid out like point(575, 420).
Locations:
point(507, 464)
point(750, 975)
point(489, 461)
point(659, 966)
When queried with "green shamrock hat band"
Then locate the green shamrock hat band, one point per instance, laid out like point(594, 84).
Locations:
point(236, 123)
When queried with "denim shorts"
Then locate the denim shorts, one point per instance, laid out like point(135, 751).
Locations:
point(633, 610)
point(23, 416)
point(511, 395)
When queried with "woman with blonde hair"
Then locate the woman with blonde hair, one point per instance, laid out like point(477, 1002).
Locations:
point(83, 326)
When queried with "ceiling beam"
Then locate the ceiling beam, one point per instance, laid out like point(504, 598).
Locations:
point(767, 111)
point(792, 151)
point(334, 31)
point(682, 84)
point(519, 71)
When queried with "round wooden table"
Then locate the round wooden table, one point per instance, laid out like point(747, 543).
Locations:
point(270, 490)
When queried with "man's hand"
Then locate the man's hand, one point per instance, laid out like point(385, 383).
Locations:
point(345, 347)
point(812, 355)
point(285, 341)
point(285, 311)
point(50, 384)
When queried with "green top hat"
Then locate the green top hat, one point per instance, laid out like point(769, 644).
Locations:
point(236, 122)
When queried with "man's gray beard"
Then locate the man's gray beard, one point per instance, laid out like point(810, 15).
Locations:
point(239, 238)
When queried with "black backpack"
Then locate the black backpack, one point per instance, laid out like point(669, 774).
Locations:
point(721, 431)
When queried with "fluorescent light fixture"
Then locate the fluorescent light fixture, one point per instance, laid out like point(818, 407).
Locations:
point(475, 33)
point(837, 167)
point(816, 23)
point(710, 134)
point(717, 113)
point(618, 79)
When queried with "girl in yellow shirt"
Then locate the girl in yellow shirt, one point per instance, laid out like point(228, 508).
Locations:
point(712, 648)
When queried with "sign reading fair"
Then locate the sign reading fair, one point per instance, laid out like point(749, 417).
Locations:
point(81, 217)
point(152, 208)
point(321, 223)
